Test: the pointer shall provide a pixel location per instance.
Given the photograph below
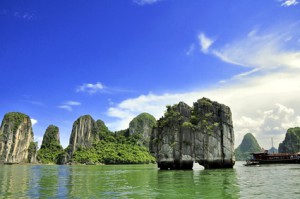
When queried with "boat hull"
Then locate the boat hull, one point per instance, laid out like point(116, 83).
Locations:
point(292, 161)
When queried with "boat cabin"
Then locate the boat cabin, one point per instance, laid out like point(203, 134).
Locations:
point(275, 156)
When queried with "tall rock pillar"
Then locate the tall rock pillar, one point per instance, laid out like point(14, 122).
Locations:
point(16, 139)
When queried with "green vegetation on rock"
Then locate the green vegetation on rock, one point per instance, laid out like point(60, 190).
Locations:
point(138, 122)
point(16, 134)
point(291, 143)
point(171, 116)
point(141, 127)
point(114, 150)
point(51, 148)
point(16, 118)
point(249, 145)
point(201, 133)
point(120, 147)
point(102, 129)
point(51, 137)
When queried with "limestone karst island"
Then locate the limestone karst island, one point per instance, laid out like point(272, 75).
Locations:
point(202, 133)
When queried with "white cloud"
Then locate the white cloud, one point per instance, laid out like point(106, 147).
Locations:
point(249, 100)
point(287, 3)
point(272, 50)
point(68, 105)
point(265, 53)
point(33, 121)
point(145, 2)
point(90, 88)
point(72, 103)
point(191, 50)
point(264, 100)
point(24, 15)
point(269, 124)
point(205, 42)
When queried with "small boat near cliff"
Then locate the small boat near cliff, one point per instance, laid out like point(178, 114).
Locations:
point(275, 158)
point(10, 163)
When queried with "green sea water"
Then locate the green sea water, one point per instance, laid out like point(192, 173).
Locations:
point(146, 181)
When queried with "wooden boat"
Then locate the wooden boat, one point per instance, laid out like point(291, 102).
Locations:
point(275, 158)
point(11, 163)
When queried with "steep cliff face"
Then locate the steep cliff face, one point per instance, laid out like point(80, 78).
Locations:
point(16, 139)
point(84, 133)
point(249, 145)
point(291, 143)
point(51, 148)
point(142, 126)
point(202, 133)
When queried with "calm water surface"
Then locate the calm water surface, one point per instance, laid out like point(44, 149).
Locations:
point(146, 181)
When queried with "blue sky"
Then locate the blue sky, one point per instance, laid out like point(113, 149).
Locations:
point(115, 59)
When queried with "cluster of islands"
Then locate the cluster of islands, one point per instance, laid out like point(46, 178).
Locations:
point(202, 133)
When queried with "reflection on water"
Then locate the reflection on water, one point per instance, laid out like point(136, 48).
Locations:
point(146, 181)
point(13, 181)
point(198, 183)
point(43, 181)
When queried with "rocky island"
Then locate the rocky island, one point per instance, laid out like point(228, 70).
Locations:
point(291, 143)
point(249, 145)
point(16, 139)
point(202, 133)
point(50, 149)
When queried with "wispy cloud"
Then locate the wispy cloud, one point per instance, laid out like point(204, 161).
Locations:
point(205, 42)
point(263, 100)
point(263, 52)
point(25, 16)
point(30, 100)
point(145, 2)
point(91, 88)
point(190, 50)
point(287, 3)
point(36, 103)
point(73, 103)
point(69, 105)
point(18, 14)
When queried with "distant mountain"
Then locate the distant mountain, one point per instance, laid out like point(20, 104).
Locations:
point(291, 143)
point(249, 145)
point(273, 150)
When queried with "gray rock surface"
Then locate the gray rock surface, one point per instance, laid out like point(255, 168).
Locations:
point(84, 133)
point(16, 137)
point(202, 133)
